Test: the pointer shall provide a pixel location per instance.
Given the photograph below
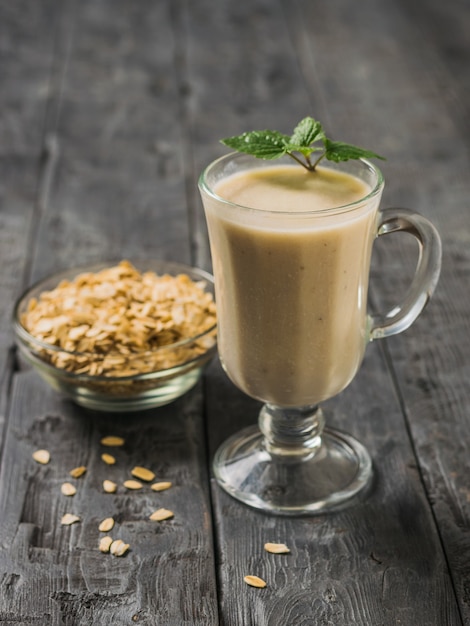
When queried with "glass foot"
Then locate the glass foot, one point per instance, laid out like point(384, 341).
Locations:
point(327, 479)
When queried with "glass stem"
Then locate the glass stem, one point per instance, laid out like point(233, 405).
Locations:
point(292, 433)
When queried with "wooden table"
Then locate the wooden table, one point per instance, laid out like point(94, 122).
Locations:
point(109, 109)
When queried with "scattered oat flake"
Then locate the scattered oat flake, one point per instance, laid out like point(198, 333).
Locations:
point(276, 548)
point(68, 519)
point(108, 459)
point(109, 486)
point(118, 547)
point(161, 514)
point(42, 456)
point(112, 441)
point(143, 473)
point(254, 581)
point(76, 472)
point(68, 489)
point(105, 543)
point(106, 525)
point(132, 484)
point(161, 486)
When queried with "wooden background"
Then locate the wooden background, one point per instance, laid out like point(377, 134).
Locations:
point(109, 109)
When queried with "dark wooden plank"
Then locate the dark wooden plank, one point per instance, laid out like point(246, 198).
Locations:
point(444, 32)
point(357, 566)
point(113, 187)
point(116, 188)
point(422, 52)
point(55, 574)
point(432, 362)
point(25, 59)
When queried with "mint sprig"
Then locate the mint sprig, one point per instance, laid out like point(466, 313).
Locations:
point(307, 139)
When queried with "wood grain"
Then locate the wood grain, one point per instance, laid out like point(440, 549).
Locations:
point(117, 186)
point(25, 59)
point(112, 187)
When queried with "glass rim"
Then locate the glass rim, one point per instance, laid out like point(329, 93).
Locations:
point(343, 208)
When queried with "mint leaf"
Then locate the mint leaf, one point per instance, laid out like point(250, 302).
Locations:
point(338, 151)
point(262, 144)
point(306, 132)
point(271, 144)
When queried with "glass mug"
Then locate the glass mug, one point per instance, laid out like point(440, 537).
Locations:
point(291, 292)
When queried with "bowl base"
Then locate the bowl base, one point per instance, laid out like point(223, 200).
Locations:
point(154, 397)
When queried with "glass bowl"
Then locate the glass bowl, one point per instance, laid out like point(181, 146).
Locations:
point(87, 364)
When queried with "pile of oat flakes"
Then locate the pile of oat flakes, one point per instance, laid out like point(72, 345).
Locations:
point(120, 322)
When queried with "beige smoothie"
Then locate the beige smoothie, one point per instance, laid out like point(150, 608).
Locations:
point(291, 280)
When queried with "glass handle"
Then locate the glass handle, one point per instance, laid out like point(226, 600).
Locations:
point(426, 275)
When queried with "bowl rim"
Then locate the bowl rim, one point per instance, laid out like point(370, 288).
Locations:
point(29, 340)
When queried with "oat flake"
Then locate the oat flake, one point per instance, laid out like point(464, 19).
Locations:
point(106, 525)
point(68, 519)
point(109, 486)
point(112, 441)
point(68, 489)
point(161, 486)
point(132, 484)
point(105, 543)
point(255, 581)
point(76, 472)
point(118, 547)
point(108, 459)
point(143, 473)
point(276, 548)
point(42, 456)
point(161, 514)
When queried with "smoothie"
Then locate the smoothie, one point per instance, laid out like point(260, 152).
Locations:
point(291, 280)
